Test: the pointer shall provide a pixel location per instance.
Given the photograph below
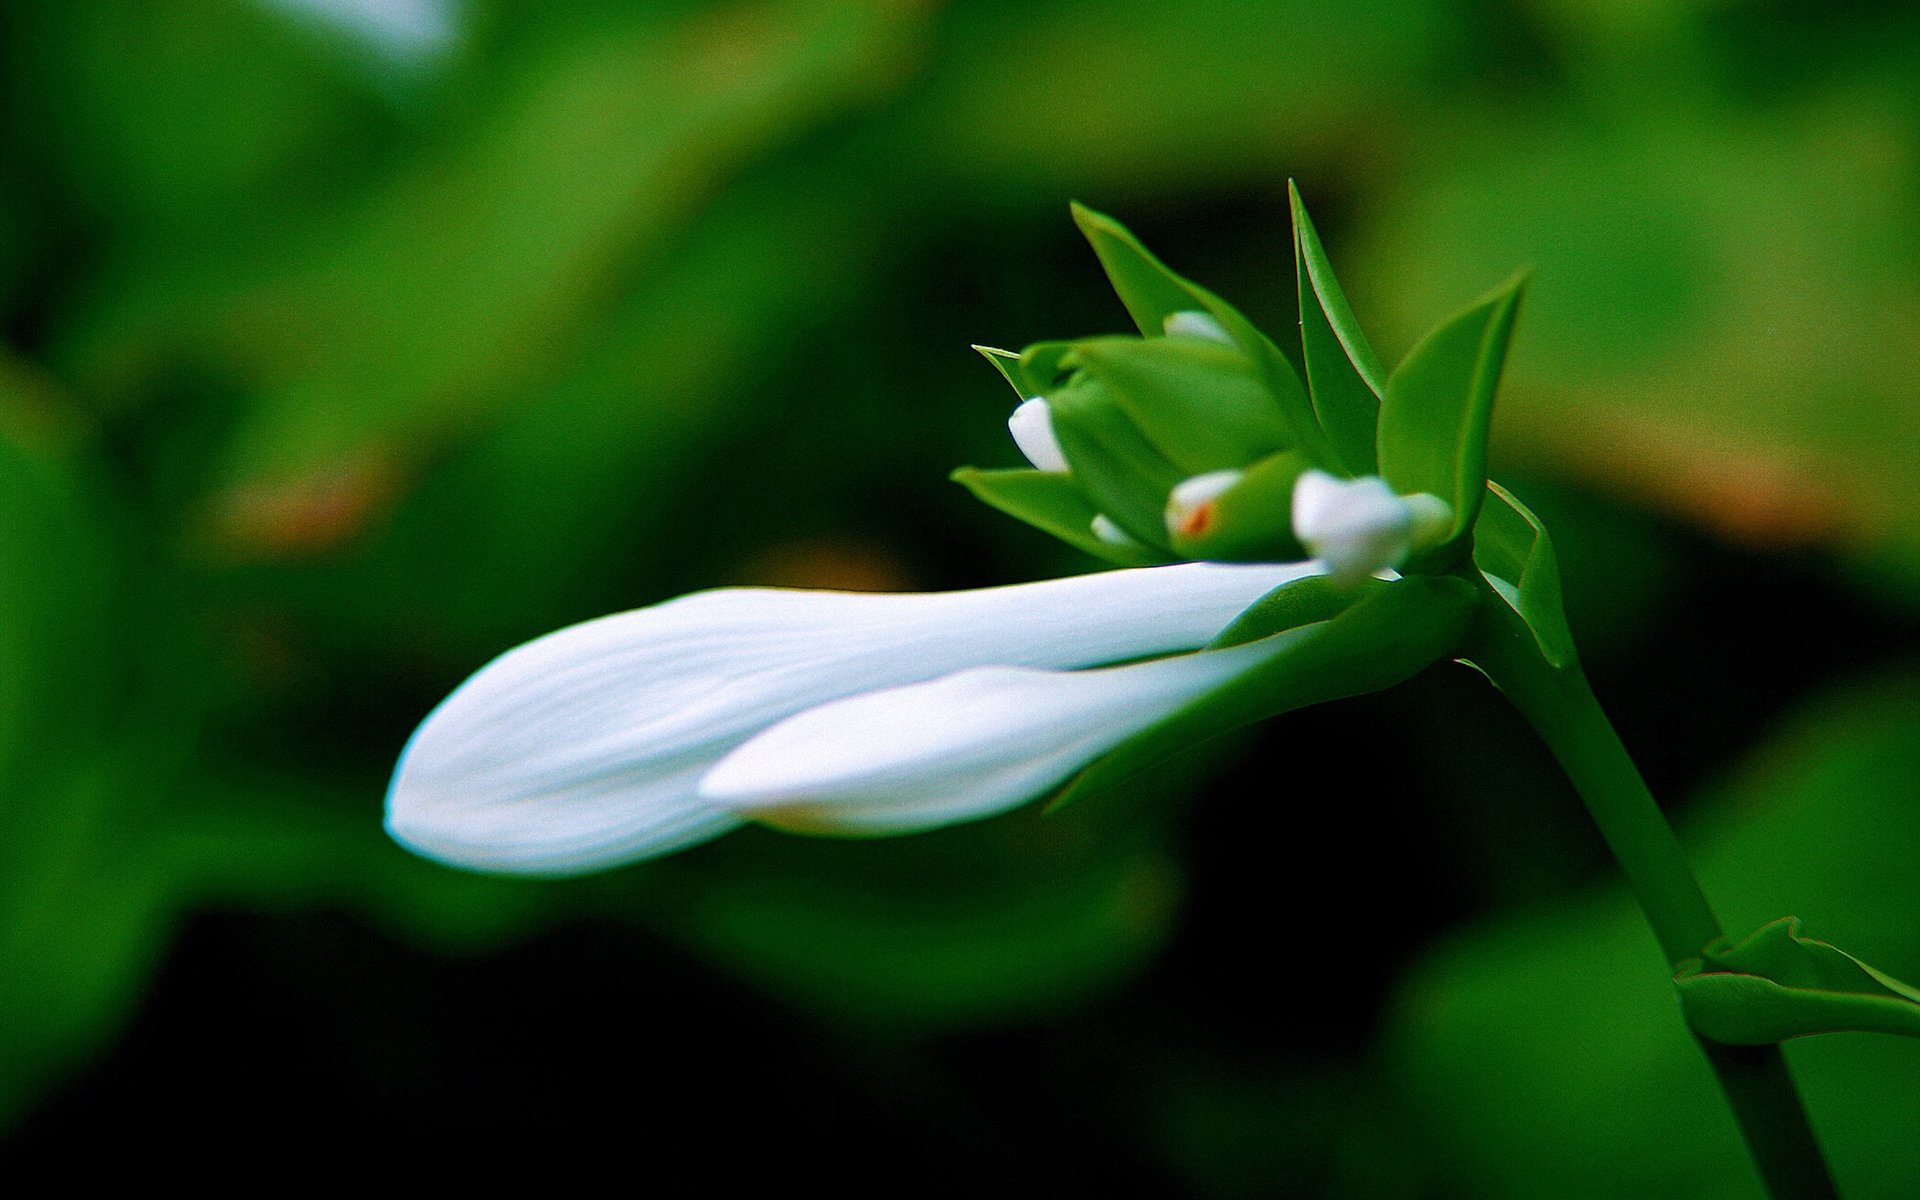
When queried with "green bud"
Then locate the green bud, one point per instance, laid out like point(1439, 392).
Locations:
point(1120, 471)
point(1203, 405)
point(1238, 516)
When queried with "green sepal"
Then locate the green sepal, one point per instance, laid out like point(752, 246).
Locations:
point(1344, 376)
point(1008, 364)
point(1253, 520)
point(1116, 467)
point(1777, 984)
point(1044, 366)
point(1291, 605)
point(1439, 401)
point(1511, 548)
point(1388, 633)
point(1202, 404)
point(1152, 293)
point(1053, 503)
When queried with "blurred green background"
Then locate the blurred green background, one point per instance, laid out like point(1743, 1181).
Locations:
point(350, 343)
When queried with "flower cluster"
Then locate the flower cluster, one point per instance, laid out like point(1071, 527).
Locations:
point(1281, 543)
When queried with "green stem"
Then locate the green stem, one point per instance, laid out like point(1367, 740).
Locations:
point(1562, 710)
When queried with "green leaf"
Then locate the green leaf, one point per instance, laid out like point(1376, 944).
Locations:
point(1511, 547)
point(1008, 364)
point(1777, 984)
point(1391, 632)
point(1290, 606)
point(1344, 375)
point(1253, 520)
point(1152, 293)
point(1200, 403)
point(1439, 401)
point(1044, 366)
point(1053, 503)
point(1117, 467)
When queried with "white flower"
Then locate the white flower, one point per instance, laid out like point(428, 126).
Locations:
point(642, 733)
point(1360, 527)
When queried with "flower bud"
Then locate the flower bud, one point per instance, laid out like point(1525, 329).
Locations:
point(1192, 323)
point(1032, 428)
point(1190, 506)
point(1110, 533)
point(1359, 527)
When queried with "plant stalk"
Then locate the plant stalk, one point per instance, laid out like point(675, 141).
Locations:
point(1561, 707)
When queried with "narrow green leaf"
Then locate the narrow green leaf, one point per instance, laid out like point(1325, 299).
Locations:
point(1391, 632)
point(1290, 606)
point(1053, 503)
point(1008, 364)
point(1118, 469)
point(1152, 293)
point(1344, 375)
point(1200, 403)
point(1439, 402)
point(1511, 548)
point(1777, 984)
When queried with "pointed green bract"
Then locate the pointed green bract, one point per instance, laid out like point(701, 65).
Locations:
point(1150, 290)
point(1117, 468)
point(1344, 376)
point(1152, 293)
point(1393, 631)
point(1252, 521)
point(1778, 984)
point(1200, 403)
point(1511, 548)
point(1054, 504)
point(1008, 364)
point(1439, 402)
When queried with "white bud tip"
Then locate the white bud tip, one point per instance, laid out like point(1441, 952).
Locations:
point(1357, 527)
point(1032, 428)
point(1195, 324)
point(1190, 506)
point(1111, 534)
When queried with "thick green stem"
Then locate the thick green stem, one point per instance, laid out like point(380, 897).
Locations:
point(1562, 709)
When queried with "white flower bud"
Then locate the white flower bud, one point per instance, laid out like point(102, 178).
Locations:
point(1360, 527)
point(1110, 533)
point(1032, 428)
point(1190, 506)
point(1197, 325)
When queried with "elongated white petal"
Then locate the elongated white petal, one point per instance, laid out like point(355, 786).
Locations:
point(966, 746)
point(581, 749)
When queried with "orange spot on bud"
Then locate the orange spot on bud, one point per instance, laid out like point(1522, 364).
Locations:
point(1197, 521)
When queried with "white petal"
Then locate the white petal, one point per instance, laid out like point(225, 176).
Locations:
point(966, 746)
point(581, 749)
point(1032, 428)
